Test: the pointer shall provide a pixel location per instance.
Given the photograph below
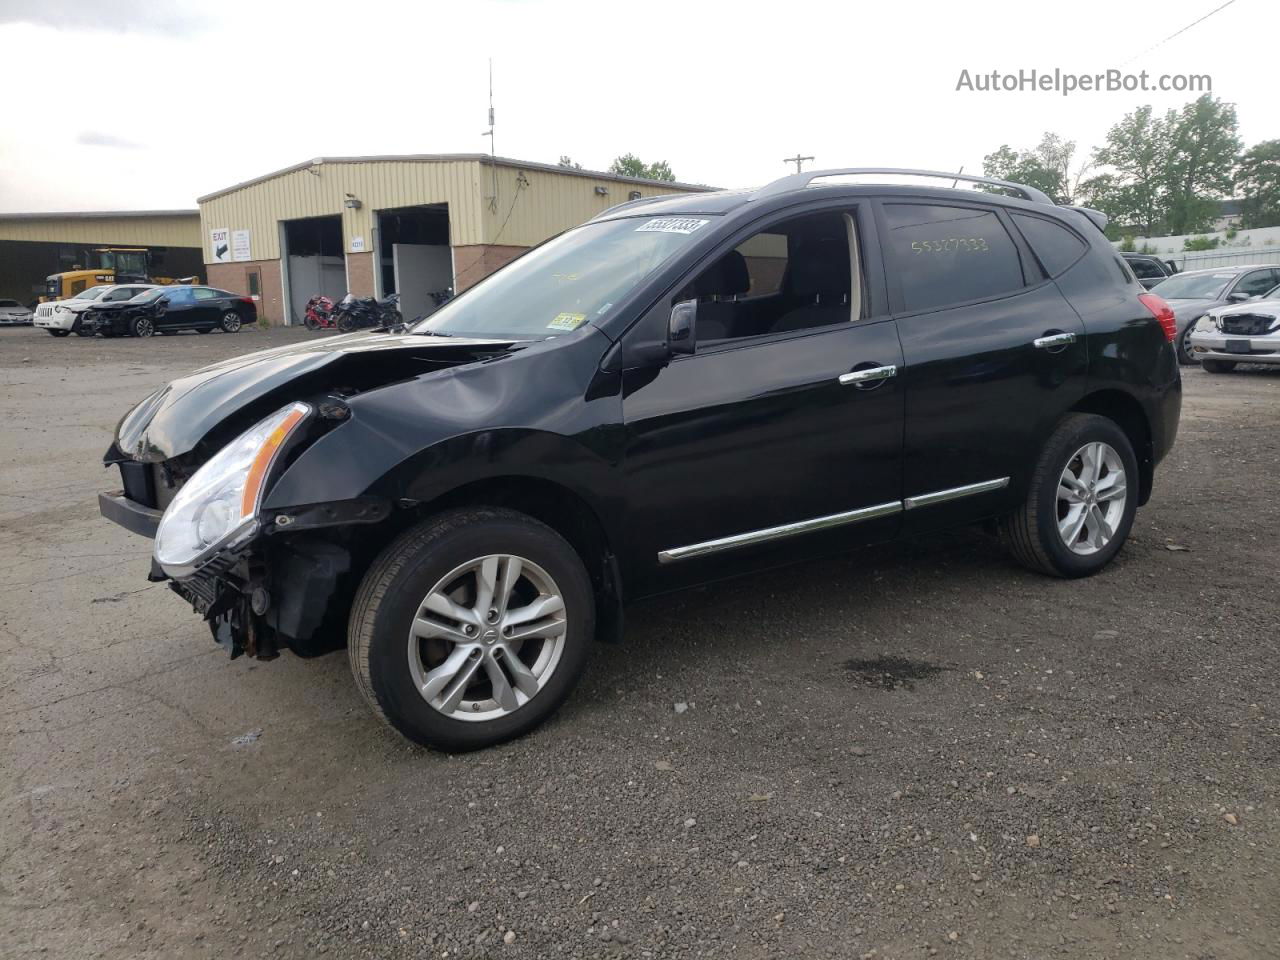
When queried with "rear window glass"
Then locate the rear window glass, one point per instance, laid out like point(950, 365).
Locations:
point(1054, 245)
point(945, 254)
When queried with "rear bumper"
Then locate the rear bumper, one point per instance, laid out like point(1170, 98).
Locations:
point(130, 514)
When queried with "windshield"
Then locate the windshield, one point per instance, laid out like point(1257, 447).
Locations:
point(1194, 286)
point(557, 287)
point(93, 293)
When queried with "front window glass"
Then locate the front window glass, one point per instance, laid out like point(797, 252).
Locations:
point(557, 287)
point(1194, 286)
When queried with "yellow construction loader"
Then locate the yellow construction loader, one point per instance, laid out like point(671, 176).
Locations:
point(111, 265)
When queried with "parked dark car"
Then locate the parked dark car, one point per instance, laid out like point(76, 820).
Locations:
point(1194, 293)
point(171, 309)
point(683, 389)
point(1148, 269)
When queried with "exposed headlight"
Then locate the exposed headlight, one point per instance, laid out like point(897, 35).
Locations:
point(61, 309)
point(218, 507)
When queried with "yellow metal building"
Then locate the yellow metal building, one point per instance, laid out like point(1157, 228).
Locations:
point(35, 245)
point(415, 225)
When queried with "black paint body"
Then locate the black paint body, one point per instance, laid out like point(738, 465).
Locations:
point(656, 451)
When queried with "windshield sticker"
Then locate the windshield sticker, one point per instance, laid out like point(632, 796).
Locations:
point(605, 309)
point(567, 321)
point(671, 225)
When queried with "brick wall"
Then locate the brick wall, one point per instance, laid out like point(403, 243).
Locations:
point(235, 277)
point(474, 262)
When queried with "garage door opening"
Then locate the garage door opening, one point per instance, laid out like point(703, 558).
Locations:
point(314, 262)
point(414, 256)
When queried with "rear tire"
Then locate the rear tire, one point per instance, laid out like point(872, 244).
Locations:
point(345, 323)
point(392, 660)
point(230, 322)
point(1218, 366)
point(1037, 533)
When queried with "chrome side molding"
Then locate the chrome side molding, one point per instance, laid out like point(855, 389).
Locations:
point(779, 532)
point(752, 537)
point(955, 493)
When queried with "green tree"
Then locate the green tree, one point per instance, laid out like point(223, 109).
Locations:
point(1203, 152)
point(629, 165)
point(1046, 166)
point(567, 161)
point(1135, 152)
point(1258, 184)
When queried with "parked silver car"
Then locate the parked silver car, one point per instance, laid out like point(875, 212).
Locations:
point(12, 313)
point(1246, 333)
point(1196, 292)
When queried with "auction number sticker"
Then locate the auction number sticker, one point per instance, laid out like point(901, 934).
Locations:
point(567, 321)
point(672, 225)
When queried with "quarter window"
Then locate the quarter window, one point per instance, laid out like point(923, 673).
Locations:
point(1054, 245)
point(944, 254)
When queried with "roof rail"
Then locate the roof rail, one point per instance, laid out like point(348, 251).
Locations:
point(609, 211)
point(798, 181)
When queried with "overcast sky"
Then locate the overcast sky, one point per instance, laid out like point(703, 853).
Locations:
point(133, 104)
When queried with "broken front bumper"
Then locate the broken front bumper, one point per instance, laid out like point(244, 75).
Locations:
point(1243, 349)
point(130, 514)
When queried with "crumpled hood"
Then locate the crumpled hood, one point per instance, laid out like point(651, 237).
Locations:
point(1266, 307)
point(175, 418)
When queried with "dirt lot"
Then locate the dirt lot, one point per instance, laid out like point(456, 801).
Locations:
point(911, 751)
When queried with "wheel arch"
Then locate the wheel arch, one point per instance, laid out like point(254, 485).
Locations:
point(1126, 412)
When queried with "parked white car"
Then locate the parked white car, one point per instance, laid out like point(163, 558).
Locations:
point(13, 313)
point(1245, 333)
point(61, 317)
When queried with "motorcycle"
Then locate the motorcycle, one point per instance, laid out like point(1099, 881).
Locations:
point(318, 314)
point(357, 313)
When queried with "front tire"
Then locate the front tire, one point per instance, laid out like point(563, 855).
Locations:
point(471, 628)
point(230, 322)
point(1081, 503)
point(1185, 356)
point(59, 333)
point(142, 327)
point(1218, 366)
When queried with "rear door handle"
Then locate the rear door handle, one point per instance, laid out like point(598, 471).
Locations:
point(868, 375)
point(1051, 340)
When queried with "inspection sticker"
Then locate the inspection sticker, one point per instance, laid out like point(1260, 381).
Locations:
point(567, 321)
point(671, 225)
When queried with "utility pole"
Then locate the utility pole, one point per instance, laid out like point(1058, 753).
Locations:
point(493, 150)
point(797, 160)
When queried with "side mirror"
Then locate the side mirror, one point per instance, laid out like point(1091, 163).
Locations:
point(1239, 296)
point(681, 334)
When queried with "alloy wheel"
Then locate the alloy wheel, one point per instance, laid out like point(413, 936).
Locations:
point(143, 327)
point(1186, 344)
point(487, 637)
point(231, 321)
point(1091, 498)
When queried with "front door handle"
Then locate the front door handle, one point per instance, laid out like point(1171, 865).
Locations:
point(868, 375)
point(1051, 340)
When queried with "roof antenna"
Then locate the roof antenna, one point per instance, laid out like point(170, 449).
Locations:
point(493, 150)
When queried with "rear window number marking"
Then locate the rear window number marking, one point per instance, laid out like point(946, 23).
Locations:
point(684, 225)
point(972, 244)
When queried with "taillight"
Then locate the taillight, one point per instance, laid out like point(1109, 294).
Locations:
point(246, 299)
point(1162, 312)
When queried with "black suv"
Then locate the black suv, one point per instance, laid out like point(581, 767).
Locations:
point(682, 389)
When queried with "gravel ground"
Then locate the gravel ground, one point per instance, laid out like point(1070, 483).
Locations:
point(912, 751)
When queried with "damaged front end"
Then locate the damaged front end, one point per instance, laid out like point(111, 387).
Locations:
point(196, 481)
